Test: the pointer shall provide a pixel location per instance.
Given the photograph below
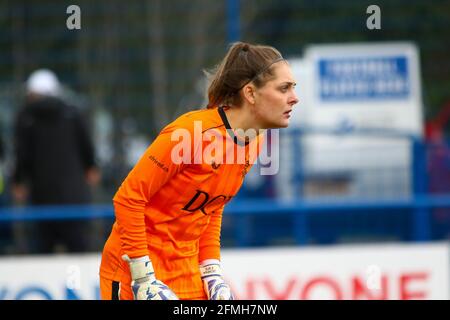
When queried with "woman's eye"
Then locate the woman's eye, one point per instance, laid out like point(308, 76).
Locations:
point(284, 89)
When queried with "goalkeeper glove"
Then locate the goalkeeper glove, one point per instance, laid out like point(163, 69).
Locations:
point(144, 284)
point(214, 285)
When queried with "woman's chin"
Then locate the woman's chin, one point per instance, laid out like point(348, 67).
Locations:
point(284, 123)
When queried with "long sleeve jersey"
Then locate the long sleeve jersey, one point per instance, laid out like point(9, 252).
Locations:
point(170, 205)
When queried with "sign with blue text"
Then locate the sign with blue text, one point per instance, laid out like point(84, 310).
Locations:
point(363, 78)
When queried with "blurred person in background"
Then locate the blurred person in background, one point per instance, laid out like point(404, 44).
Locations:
point(54, 163)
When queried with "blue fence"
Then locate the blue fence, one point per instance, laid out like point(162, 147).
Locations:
point(421, 214)
point(271, 222)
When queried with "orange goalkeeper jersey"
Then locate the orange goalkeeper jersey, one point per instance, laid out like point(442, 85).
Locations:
point(172, 211)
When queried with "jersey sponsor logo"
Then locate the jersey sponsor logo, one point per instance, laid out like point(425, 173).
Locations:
point(205, 203)
point(158, 163)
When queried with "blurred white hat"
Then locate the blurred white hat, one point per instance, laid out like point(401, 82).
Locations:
point(43, 82)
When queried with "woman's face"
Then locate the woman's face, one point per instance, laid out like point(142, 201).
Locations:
point(275, 99)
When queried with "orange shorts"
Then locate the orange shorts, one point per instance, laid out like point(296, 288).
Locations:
point(114, 290)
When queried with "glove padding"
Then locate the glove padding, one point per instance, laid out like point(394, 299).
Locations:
point(144, 284)
point(213, 282)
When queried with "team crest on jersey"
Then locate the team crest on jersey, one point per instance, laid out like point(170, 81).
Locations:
point(215, 166)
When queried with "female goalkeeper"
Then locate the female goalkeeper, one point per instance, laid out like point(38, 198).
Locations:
point(165, 242)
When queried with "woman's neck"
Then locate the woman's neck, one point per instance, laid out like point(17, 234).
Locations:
point(241, 118)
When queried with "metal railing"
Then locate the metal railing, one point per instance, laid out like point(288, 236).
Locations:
point(422, 215)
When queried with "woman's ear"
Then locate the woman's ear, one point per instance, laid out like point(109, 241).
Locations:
point(249, 93)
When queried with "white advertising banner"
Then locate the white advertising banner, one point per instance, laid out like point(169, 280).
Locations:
point(387, 271)
point(59, 277)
